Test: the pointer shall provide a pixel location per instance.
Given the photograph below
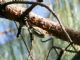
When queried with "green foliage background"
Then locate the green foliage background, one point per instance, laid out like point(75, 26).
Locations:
point(68, 11)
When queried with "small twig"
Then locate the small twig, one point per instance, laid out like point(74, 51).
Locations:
point(60, 55)
point(67, 35)
point(54, 14)
point(50, 51)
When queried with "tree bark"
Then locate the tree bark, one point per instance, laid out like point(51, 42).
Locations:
point(12, 12)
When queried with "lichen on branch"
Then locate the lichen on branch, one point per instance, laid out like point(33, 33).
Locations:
point(12, 12)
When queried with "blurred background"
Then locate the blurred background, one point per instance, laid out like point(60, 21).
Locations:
point(13, 48)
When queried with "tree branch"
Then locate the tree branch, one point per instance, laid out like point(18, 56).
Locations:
point(13, 12)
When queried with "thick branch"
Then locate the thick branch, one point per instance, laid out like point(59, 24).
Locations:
point(13, 12)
